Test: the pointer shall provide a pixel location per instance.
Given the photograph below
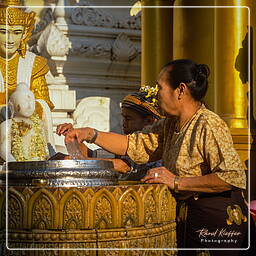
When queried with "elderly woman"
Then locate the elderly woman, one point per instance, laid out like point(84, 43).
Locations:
point(200, 164)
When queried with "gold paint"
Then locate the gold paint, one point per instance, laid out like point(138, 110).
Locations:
point(156, 41)
point(193, 37)
point(37, 146)
point(16, 16)
point(235, 215)
point(231, 91)
point(38, 82)
point(64, 217)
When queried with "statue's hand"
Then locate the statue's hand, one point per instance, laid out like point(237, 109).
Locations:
point(6, 112)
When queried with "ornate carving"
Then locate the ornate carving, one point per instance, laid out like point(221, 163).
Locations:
point(123, 48)
point(91, 49)
point(14, 212)
point(42, 213)
point(164, 207)
point(64, 223)
point(129, 211)
point(47, 17)
point(73, 213)
point(103, 213)
point(117, 193)
point(90, 16)
point(131, 22)
point(53, 42)
point(150, 209)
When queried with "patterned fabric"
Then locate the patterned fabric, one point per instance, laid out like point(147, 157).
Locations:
point(202, 146)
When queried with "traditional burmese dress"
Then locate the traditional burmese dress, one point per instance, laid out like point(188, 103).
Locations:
point(203, 146)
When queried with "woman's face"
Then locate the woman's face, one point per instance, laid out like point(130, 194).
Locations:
point(132, 121)
point(168, 97)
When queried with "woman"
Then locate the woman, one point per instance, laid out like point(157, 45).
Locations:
point(200, 164)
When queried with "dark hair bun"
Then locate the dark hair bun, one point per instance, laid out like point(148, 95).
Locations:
point(202, 70)
point(195, 76)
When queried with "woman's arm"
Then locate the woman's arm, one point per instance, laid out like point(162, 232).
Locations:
point(209, 183)
point(112, 142)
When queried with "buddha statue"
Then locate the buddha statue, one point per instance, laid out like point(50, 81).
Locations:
point(17, 64)
point(25, 137)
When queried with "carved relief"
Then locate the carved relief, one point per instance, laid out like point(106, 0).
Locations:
point(53, 42)
point(73, 213)
point(14, 212)
point(164, 207)
point(129, 212)
point(48, 253)
point(42, 213)
point(117, 193)
point(47, 17)
point(103, 213)
point(123, 49)
point(150, 209)
point(91, 49)
point(167, 204)
point(91, 217)
point(91, 16)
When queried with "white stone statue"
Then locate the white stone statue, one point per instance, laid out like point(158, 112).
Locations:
point(26, 137)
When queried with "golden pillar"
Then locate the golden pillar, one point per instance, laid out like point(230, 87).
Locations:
point(156, 38)
point(193, 36)
point(231, 76)
point(235, 76)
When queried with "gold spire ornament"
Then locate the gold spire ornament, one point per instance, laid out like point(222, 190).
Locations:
point(11, 14)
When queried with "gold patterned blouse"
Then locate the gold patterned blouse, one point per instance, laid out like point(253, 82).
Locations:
point(38, 82)
point(203, 146)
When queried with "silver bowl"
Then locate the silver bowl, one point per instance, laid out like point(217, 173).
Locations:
point(59, 173)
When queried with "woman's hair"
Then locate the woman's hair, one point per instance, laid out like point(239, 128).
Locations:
point(195, 76)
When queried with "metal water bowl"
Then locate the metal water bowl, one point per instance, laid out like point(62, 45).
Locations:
point(59, 173)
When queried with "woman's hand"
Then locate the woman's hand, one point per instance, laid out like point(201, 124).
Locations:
point(63, 129)
point(81, 134)
point(160, 175)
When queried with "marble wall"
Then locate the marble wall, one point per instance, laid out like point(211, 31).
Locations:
point(94, 57)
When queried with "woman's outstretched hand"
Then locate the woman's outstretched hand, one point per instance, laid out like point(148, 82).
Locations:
point(160, 175)
point(62, 129)
point(70, 133)
point(81, 134)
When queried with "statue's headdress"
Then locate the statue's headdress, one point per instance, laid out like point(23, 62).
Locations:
point(144, 101)
point(11, 14)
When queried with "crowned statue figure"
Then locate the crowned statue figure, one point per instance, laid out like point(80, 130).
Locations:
point(17, 64)
point(25, 137)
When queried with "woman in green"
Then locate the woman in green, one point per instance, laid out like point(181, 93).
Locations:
point(200, 164)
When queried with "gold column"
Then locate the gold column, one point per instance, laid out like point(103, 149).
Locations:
point(156, 42)
point(231, 76)
point(193, 36)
